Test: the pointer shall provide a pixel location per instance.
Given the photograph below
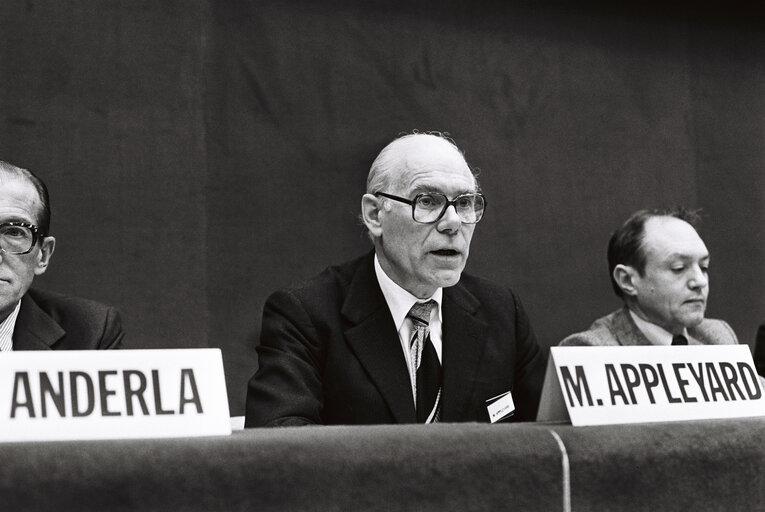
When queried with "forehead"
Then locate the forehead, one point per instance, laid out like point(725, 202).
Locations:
point(18, 199)
point(667, 237)
point(434, 165)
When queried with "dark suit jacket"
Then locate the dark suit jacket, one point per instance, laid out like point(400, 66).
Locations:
point(329, 354)
point(52, 321)
point(618, 328)
point(759, 350)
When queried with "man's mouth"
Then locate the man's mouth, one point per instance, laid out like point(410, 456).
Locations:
point(445, 252)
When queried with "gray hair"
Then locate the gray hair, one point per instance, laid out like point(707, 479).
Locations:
point(43, 216)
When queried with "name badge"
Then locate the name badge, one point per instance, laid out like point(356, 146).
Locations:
point(500, 407)
point(77, 395)
point(609, 385)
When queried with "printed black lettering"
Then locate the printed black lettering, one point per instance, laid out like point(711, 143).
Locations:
point(670, 398)
point(755, 391)
point(731, 378)
point(699, 378)
point(715, 385)
point(187, 375)
point(651, 382)
point(105, 393)
point(632, 380)
point(676, 367)
point(158, 395)
point(615, 385)
point(23, 379)
point(46, 388)
point(73, 389)
point(578, 387)
point(131, 392)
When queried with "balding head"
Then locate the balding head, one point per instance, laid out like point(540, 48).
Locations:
point(11, 172)
point(410, 153)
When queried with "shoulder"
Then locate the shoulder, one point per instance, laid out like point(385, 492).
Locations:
point(486, 291)
point(77, 316)
point(714, 332)
point(600, 333)
point(335, 278)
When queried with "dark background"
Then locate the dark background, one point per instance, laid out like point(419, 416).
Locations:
point(203, 153)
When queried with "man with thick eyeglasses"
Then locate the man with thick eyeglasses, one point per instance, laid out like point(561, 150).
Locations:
point(33, 319)
point(401, 335)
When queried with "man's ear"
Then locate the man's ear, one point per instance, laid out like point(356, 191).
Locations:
point(625, 277)
point(371, 207)
point(46, 251)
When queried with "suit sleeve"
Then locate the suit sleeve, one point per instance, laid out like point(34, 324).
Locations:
point(531, 362)
point(113, 335)
point(286, 389)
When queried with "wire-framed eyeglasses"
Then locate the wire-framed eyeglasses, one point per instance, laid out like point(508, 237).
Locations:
point(429, 207)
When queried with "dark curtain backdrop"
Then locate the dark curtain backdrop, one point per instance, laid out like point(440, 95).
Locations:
point(204, 153)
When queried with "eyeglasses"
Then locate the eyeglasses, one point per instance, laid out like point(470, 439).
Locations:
point(429, 207)
point(18, 237)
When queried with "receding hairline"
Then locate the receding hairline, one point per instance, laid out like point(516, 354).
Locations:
point(400, 157)
point(10, 172)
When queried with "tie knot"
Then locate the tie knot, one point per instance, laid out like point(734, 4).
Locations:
point(679, 339)
point(420, 312)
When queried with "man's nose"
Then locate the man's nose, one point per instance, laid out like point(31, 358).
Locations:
point(450, 222)
point(699, 278)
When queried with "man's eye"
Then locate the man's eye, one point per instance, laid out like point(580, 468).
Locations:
point(427, 201)
point(14, 232)
point(677, 270)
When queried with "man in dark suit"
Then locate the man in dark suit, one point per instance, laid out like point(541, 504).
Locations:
point(36, 320)
point(400, 335)
point(659, 267)
point(759, 350)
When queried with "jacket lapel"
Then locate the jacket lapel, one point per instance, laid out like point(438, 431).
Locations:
point(34, 329)
point(464, 338)
point(373, 339)
point(626, 330)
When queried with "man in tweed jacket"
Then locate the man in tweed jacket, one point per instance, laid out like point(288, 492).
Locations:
point(659, 267)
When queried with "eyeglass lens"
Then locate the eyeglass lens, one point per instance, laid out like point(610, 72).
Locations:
point(429, 207)
point(16, 239)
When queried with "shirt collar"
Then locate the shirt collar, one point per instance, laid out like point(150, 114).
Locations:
point(399, 300)
point(655, 334)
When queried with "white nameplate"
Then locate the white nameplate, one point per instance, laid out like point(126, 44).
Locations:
point(608, 385)
point(112, 394)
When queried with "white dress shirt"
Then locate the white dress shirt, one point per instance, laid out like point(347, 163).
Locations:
point(655, 334)
point(7, 328)
point(399, 303)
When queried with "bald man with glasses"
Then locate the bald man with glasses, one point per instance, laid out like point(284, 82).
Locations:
point(401, 334)
point(33, 319)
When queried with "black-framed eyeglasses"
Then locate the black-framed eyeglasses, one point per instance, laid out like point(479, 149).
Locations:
point(18, 237)
point(429, 207)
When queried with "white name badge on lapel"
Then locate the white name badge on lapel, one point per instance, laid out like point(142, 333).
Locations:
point(500, 407)
point(112, 394)
point(609, 385)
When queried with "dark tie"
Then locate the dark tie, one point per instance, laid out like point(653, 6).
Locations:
point(679, 339)
point(428, 367)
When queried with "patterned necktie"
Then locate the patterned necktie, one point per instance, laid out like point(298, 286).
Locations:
point(679, 339)
point(426, 364)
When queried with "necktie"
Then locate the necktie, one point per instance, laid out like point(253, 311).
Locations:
point(679, 339)
point(426, 364)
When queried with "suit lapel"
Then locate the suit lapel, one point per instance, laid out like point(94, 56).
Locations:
point(373, 339)
point(34, 329)
point(626, 330)
point(464, 338)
